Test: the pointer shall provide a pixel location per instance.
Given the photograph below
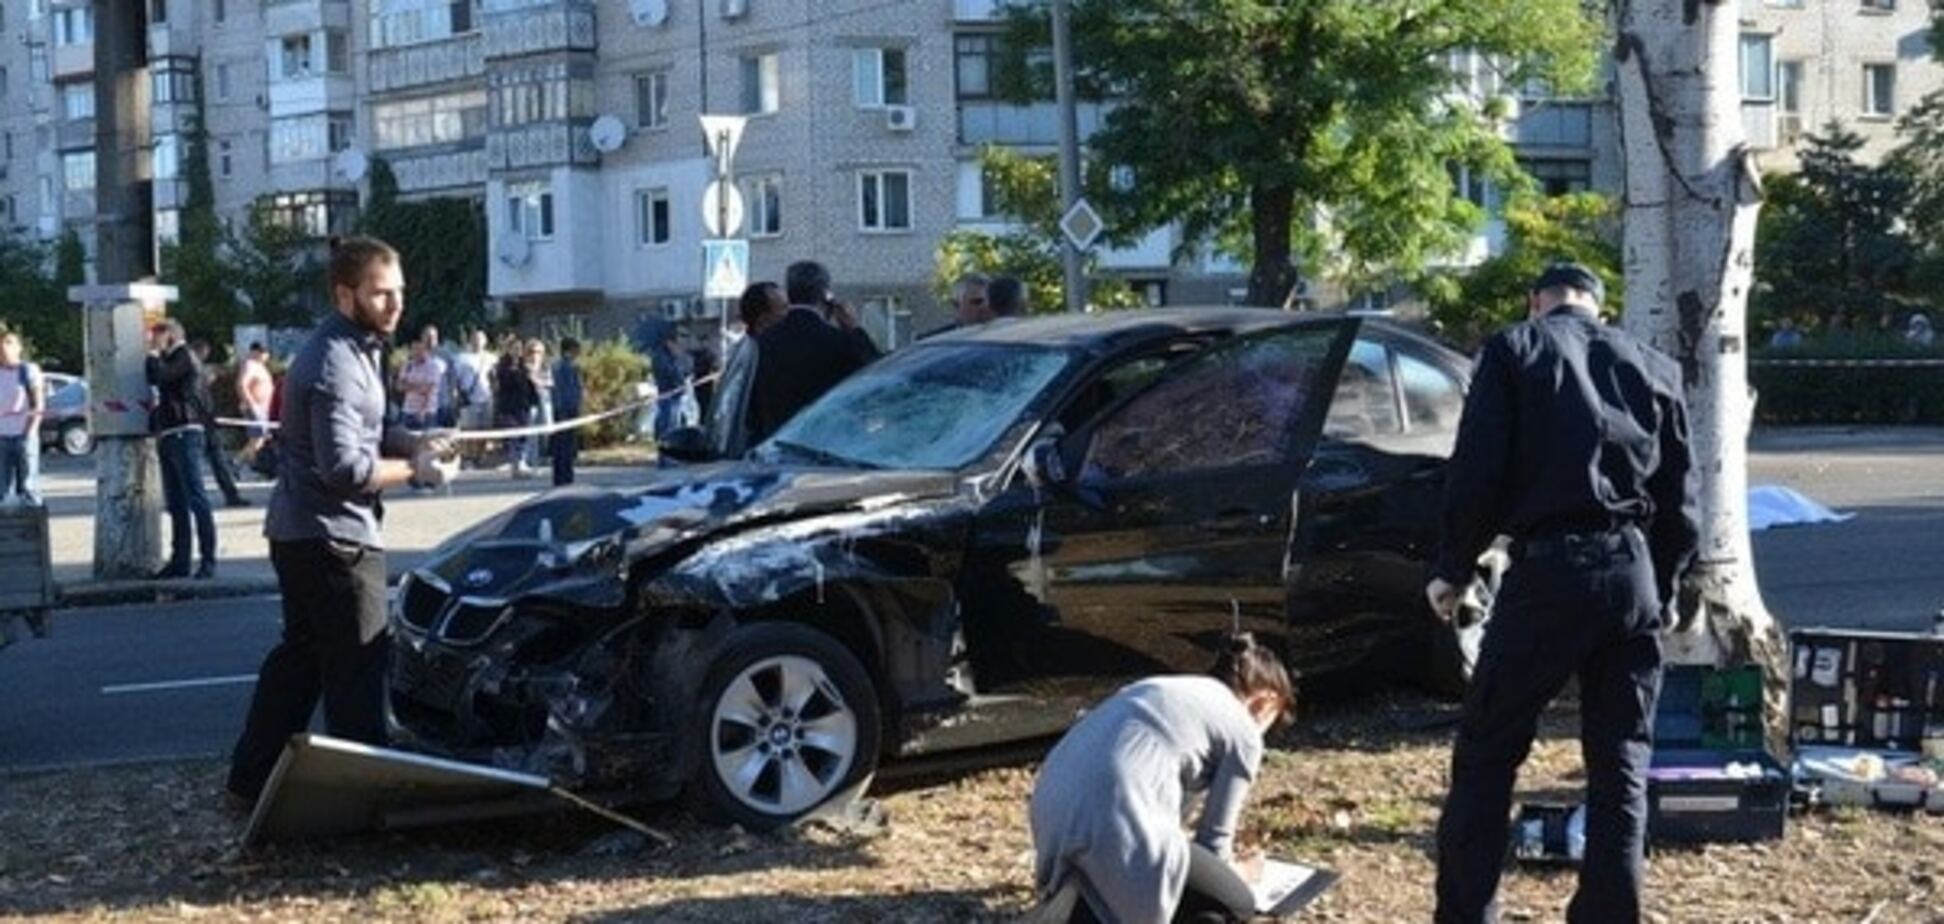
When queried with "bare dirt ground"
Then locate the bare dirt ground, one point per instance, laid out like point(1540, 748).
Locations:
point(1354, 787)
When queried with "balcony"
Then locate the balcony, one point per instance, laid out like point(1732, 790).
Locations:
point(542, 145)
point(459, 58)
point(73, 60)
point(1554, 124)
point(1759, 124)
point(445, 169)
point(563, 25)
point(293, 17)
point(311, 93)
point(73, 134)
point(1033, 124)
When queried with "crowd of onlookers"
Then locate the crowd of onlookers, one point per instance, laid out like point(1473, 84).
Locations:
point(1788, 334)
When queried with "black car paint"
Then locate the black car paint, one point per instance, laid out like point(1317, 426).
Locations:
point(964, 593)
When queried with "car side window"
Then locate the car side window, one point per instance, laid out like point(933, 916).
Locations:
point(1433, 401)
point(1230, 406)
point(1364, 406)
point(1111, 386)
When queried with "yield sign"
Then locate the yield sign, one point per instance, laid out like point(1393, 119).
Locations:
point(723, 133)
point(1082, 225)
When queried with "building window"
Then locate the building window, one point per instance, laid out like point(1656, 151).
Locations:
point(340, 132)
point(78, 101)
point(315, 214)
point(167, 158)
point(1757, 67)
point(219, 10)
point(78, 171)
point(74, 26)
point(760, 90)
point(222, 81)
point(336, 58)
point(225, 165)
point(409, 22)
point(1880, 90)
point(764, 195)
point(1880, 6)
point(295, 58)
point(3, 79)
point(432, 120)
point(530, 211)
point(168, 226)
point(3, 16)
point(878, 78)
point(173, 80)
point(653, 219)
point(884, 200)
point(158, 13)
point(541, 94)
point(308, 137)
point(1788, 101)
point(9, 150)
point(972, 64)
point(651, 99)
point(1560, 177)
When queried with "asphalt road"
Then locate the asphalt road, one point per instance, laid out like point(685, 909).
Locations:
point(147, 682)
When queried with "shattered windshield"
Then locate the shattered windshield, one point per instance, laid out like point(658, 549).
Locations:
point(928, 407)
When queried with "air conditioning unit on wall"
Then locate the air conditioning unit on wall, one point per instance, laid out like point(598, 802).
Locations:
point(674, 309)
point(735, 9)
point(703, 308)
point(900, 118)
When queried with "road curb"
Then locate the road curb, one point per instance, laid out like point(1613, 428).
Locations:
point(119, 593)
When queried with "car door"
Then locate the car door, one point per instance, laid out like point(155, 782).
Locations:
point(1368, 520)
point(1172, 529)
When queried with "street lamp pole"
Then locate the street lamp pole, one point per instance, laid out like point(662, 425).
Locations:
point(1076, 280)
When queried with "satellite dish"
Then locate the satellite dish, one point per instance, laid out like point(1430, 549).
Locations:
point(513, 249)
point(648, 13)
point(350, 165)
point(607, 133)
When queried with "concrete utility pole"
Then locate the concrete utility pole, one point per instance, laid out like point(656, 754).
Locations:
point(1692, 198)
point(1076, 280)
point(128, 534)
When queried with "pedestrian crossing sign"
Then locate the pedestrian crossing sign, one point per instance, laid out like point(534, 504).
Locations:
point(725, 268)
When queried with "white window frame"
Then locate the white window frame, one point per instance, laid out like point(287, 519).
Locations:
point(77, 101)
point(647, 234)
point(78, 171)
point(870, 77)
point(764, 197)
point(1874, 108)
point(290, 64)
point(875, 177)
point(651, 87)
point(74, 26)
point(530, 211)
point(1757, 85)
point(222, 81)
point(769, 83)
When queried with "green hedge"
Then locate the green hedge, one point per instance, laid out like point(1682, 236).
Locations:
point(1848, 394)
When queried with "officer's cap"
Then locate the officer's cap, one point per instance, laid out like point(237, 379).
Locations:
point(1572, 275)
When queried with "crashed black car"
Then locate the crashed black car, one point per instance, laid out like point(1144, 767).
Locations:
point(968, 541)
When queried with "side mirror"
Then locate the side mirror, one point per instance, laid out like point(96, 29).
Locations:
point(688, 445)
point(1043, 465)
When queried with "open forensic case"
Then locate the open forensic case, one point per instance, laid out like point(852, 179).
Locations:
point(1866, 716)
point(1711, 779)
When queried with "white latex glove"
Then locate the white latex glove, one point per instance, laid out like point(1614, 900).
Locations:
point(1443, 597)
point(430, 469)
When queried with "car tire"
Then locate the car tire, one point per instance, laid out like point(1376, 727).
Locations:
point(76, 440)
point(788, 719)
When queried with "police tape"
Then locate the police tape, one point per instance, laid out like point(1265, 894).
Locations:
point(510, 433)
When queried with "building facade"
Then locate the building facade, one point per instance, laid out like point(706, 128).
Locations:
point(865, 124)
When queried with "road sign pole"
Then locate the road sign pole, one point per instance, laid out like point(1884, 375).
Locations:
point(1076, 281)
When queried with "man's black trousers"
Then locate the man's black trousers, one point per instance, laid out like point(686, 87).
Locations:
point(1585, 605)
point(334, 646)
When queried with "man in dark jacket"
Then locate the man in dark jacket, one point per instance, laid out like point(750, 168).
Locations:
point(564, 445)
point(181, 407)
point(1575, 444)
point(817, 344)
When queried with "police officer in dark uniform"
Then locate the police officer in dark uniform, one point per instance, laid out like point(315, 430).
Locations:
point(1574, 443)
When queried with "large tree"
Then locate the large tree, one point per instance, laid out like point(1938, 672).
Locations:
point(442, 244)
point(1539, 230)
point(33, 300)
point(1325, 130)
point(206, 302)
point(1692, 200)
point(1833, 236)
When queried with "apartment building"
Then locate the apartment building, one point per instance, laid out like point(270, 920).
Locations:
point(865, 124)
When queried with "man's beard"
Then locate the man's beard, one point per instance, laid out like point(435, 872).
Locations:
point(371, 317)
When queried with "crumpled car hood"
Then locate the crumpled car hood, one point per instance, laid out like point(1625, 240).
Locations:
point(529, 545)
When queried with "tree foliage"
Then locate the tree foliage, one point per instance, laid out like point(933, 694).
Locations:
point(1024, 193)
point(274, 266)
point(206, 303)
point(1539, 230)
point(1324, 130)
point(34, 304)
point(1833, 237)
point(442, 244)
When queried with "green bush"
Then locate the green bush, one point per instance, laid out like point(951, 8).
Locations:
point(610, 369)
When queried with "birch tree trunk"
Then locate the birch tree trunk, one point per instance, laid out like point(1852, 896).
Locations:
point(1692, 195)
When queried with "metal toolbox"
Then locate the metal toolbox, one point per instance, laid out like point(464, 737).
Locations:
point(1710, 779)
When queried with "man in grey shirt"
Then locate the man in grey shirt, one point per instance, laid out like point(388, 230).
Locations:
point(339, 453)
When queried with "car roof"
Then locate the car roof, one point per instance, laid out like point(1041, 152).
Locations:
point(1113, 330)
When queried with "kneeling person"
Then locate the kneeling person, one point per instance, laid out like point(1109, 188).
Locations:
point(1108, 805)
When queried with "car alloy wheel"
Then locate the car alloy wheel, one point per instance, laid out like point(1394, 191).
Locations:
point(76, 440)
point(782, 737)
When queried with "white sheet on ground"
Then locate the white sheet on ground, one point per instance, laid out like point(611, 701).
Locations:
point(1772, 505)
